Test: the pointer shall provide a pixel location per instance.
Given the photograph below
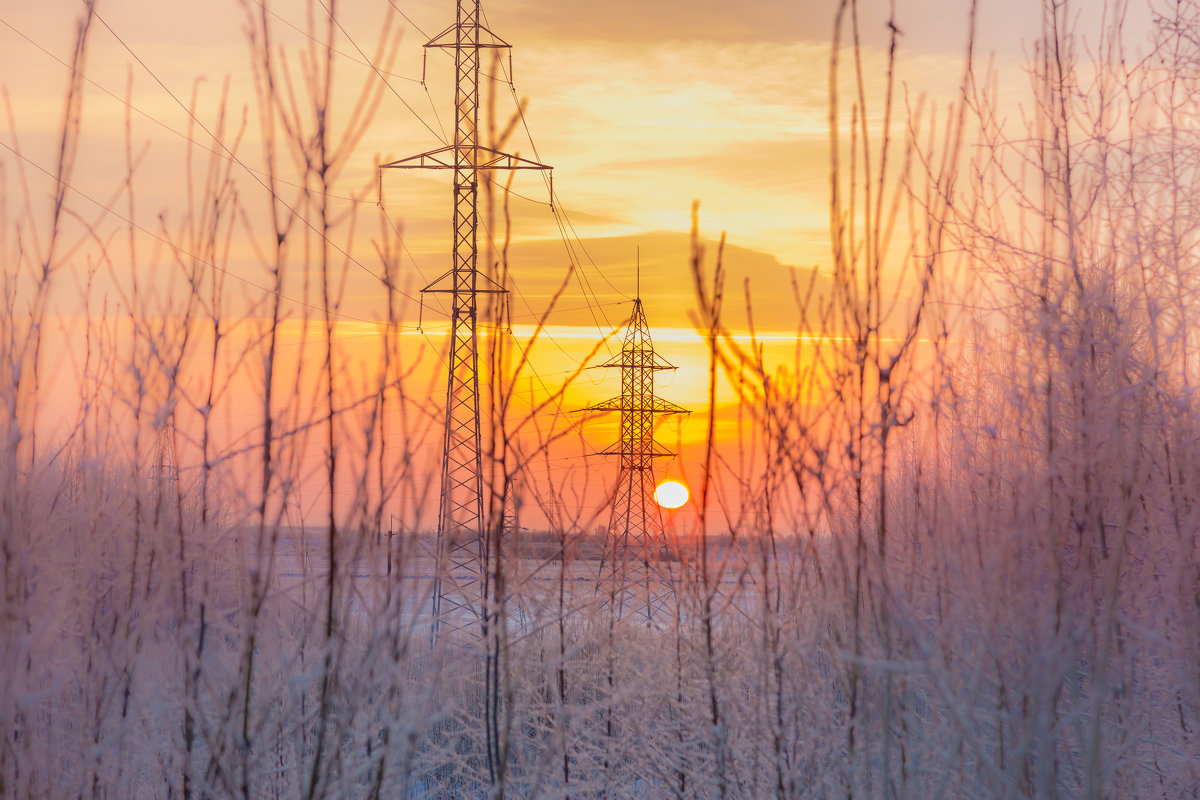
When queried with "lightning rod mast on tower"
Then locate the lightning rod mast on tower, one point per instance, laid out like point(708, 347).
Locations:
point(463, 574)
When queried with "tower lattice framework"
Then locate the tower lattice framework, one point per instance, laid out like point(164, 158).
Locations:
point(164, 474)
point(632, 570)
point(463, 575)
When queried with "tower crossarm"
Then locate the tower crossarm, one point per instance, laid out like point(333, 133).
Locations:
point(648, 450)
point(657, 406)
point(661, 406)
point(483, 38)
point(444, 284)
point(638, 359)
point(478, 157)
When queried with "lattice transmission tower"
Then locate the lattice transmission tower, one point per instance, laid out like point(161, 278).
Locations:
point(633, 571)
point(164, 473)
point(463, 575)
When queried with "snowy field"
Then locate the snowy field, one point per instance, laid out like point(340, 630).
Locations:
point(244, 693)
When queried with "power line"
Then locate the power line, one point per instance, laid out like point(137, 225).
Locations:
point(408, 19)
point(308, 35)
point(486, 230)
point(181, 251)
point(404, 246)
point(303, 219)
point(441, 137)
point(516, 289)
point(533, 145)
point(230, 156)
point(563, 222)
point(225, 155)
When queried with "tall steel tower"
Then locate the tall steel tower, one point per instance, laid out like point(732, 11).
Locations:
point(630, 571)
point(164, 474)
point(463, 578)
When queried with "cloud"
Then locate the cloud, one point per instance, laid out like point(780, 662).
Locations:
point(634, 21)
point(608, 267)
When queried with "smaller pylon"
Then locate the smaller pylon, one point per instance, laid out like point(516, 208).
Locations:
point(511, 521)
point(632, 570)
point(164, 474)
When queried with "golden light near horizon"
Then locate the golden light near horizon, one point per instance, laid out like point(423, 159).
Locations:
point(631, 156)
point(671, 494)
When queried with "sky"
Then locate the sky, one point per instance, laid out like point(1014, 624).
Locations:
point(641, 108)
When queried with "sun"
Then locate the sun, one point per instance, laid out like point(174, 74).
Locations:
point(671, 494)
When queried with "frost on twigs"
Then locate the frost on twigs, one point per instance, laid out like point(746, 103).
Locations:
point(949, 547)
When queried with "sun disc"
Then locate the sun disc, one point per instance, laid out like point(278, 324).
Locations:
point(671, 494)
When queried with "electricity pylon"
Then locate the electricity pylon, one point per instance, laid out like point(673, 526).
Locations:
point(164, 474)
point(463, 574)
point(630, 571)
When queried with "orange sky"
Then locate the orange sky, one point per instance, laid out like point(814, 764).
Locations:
point(640, 107)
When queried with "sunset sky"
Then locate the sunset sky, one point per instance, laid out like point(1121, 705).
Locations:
point(641, 108)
